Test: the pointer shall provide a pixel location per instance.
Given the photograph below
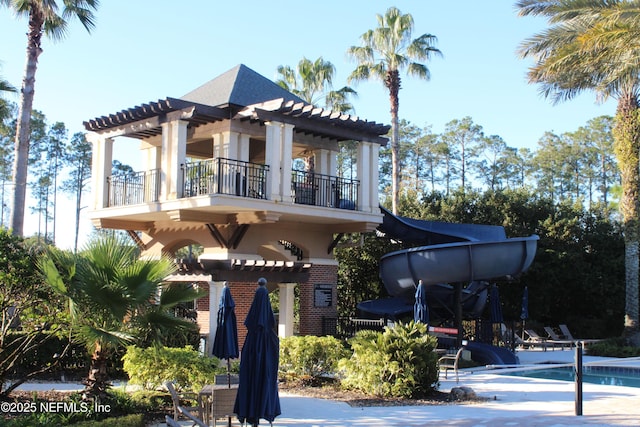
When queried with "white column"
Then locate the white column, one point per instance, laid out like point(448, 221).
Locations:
point(374, 181)
point(333, 163)
point(102, 157)
point(287, 161)
point(152, 157)
point(225, 145)
point(215, 292)
point(286, 318)
point(243, 147)
point(364, 175)
point(322, 161)
point(218, 149)
point(273, 148)
point(174, 154)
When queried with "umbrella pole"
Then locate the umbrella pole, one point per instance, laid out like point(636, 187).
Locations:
point(229, 382)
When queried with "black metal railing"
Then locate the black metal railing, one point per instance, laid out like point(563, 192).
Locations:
point(134, 188)
point(346, 327)
point(225, 176)
point(310, 188)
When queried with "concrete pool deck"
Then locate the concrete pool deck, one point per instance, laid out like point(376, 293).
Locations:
point(513, 401)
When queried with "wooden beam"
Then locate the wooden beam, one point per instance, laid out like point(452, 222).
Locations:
point(334, 243)
point(218, 236)
point(237, 235)
point(134, 236)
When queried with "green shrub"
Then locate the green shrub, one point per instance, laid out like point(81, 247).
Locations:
point(133, 420)
point(151, 400)
point(310, 356)
point(115, 407)
point(152, 366)
point(613, 347)
point(399, 362)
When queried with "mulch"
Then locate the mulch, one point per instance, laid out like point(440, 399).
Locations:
point(333, 391)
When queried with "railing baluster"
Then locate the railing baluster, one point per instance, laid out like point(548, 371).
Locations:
point(225, 176)
point(134, 188)
point(310, 188)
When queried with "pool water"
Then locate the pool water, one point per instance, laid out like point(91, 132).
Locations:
point(606, 375)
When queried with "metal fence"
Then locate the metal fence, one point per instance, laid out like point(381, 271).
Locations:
point(310, 188)
point(346, 327)
point(225, 176)
point(134, 188)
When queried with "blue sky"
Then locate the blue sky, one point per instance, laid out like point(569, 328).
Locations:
point(145, 50)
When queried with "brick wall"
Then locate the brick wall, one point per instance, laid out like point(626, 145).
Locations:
point(202, 307)
point(310, 315)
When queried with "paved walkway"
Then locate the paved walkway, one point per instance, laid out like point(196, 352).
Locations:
point(513, 401)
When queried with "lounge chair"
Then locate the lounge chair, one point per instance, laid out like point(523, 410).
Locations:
point(533, 340)
point(557, 339)
point(533, 336)
point(176, 399)
point(566, 332)
point(451, 361)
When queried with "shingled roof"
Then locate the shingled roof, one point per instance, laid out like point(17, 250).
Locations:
point(240, 86)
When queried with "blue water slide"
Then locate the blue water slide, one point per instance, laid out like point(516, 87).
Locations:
point(487, 354)
point(449, 253)
point(453, 253)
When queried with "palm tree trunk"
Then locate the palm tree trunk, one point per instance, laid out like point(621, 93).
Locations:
point(392, 82)
point(97, 380)
point(627, 148)
point(23, 129)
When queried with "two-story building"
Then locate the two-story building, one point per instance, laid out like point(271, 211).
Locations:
point(218, 171)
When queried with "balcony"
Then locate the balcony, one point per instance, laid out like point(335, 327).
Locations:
point(310, 188)
point(225, 176)
point(236, 178)
point(133, 188)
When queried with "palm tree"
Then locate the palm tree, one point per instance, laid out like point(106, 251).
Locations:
point(312, 81)
point(5, 86)
point(114, 299)
point(385, 51)
point(44, 17)
point(595, 45)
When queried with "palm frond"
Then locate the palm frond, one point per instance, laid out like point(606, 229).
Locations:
point(590, 45)
point(174, 294)
point(114, 338)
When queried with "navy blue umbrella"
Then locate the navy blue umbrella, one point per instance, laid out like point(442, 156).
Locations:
point(225, 343)
point(258, 388)
point(524, 314)
point(420, 307)
point(496, 308)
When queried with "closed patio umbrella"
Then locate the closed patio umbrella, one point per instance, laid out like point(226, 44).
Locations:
point(496, 308)
point(524, 314)
point(420, 307)
point(225, 343)
point(258, 388)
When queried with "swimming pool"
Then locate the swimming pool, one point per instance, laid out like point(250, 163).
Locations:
point(606, 375)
